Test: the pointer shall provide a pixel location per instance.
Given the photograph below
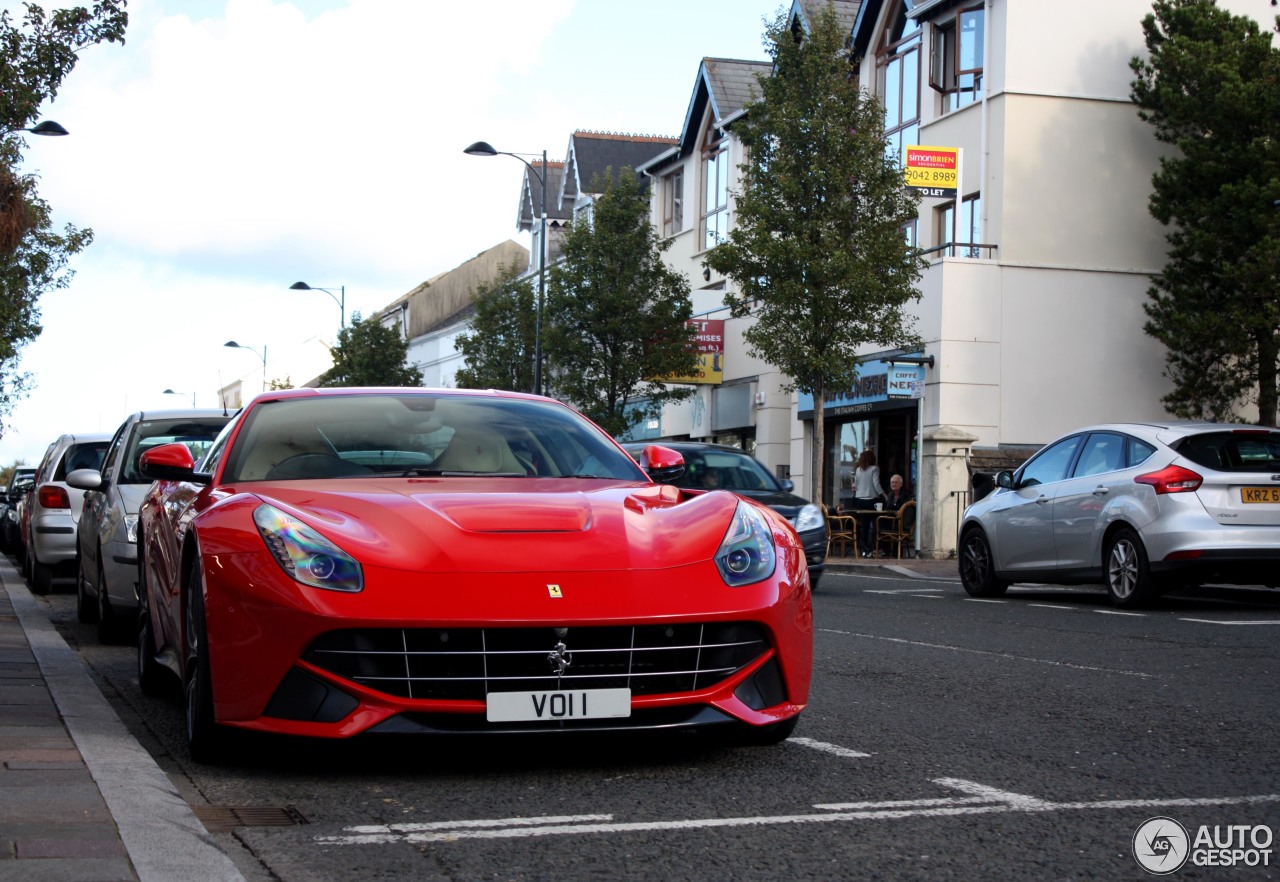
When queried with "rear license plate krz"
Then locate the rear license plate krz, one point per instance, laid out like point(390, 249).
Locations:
point(1260, 494)
point(557, 704)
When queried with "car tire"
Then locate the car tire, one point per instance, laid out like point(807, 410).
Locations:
point(153, 677)
point(86, 611)
point(111, 627)
point(203, 734)
point(1126, 571)
point(41, 577)
point(978, 566)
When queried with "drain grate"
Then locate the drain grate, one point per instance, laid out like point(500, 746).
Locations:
point(225, 818)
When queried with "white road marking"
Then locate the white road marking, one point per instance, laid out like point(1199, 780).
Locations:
point(982, 800)
point(1119, 612)
point(983, 600)
point(1039, 661)
point(1223, 622)
point(827, 748)
point(1050, 606)
point(930, 596)
point(899, 590)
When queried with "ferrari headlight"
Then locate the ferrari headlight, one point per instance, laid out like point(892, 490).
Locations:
point(306, 555)
point(747, 554)
point(131, 528)
point(809, 518)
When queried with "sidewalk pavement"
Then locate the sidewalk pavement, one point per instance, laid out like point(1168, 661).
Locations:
point(80, 799)
point(915, 568)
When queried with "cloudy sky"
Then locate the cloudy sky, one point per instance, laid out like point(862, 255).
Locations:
point(233, 147)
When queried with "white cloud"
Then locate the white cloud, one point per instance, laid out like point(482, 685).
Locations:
point(232, 148)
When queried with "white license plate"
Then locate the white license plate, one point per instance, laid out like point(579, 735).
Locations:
point(558, 704)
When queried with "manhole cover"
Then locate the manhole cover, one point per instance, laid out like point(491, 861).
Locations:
point(225, 818)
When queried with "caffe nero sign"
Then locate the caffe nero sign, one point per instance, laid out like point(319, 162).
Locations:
point(878, 386)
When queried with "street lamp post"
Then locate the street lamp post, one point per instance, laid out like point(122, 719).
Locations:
point(48, 127)
point(340, 298)
point(262, 355)
point(183, 394)
point(483, 148)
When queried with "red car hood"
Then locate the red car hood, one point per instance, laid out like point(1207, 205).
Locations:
point(495, 525)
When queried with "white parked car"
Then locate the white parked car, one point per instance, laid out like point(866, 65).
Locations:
point(1140, 507)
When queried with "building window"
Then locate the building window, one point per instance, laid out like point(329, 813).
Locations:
point(715, 206)
point(967, 241)
point(673, 204)
point(911, 232)
point(956, 70)
point(898, 81)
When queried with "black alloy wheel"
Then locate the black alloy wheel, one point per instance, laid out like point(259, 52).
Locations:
point(111, 627)
point(152, 676)
point(978, 566)
point(203, 734)
point(86, 610)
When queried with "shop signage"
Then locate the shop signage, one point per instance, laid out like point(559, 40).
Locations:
point(709, 338)
point(877, 386)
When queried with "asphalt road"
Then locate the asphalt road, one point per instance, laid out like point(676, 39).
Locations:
point(946, 738)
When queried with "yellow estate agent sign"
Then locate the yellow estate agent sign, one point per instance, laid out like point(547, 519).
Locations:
point(933, 171)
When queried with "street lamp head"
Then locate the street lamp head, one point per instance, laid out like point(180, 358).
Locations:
point(481, 148)
point(48, 127)
point(233, 344)
point(299, 286)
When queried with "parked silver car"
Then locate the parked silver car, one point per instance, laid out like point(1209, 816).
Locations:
point(53, 507)
point(1142, 508)
point(106, 536)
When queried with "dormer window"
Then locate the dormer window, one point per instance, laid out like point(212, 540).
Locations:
point(956, 69)
point(673, 203)
point(715, 175)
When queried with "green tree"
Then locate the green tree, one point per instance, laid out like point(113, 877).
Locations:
point(616, 313)
point(1210, 85)
point(818, 251)
point(370, 354)
point(498, 350)
point(36, 55)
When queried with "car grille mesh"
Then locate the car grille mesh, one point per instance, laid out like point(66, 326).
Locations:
point(468, 663)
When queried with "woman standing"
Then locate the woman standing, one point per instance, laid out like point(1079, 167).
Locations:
point(866, 493)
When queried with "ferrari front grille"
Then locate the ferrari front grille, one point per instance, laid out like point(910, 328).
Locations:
point(468, 663)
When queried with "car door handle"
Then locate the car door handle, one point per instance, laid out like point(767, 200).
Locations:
point(1041, 500)
point(1100, 490)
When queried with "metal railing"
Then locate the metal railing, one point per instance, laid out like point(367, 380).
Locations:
point(962, 249)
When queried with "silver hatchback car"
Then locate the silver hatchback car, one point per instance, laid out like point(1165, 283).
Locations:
point(106, 538)
point(1141, 507)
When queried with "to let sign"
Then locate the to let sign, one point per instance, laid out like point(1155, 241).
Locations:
point(933, 171)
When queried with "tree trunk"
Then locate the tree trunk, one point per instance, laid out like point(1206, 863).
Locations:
point(1268, 367)
point(819, 435)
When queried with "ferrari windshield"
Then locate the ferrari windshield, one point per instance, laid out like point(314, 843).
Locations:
point(420, 434)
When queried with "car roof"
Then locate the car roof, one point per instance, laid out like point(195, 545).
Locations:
point(691, 446)
point(182, 413)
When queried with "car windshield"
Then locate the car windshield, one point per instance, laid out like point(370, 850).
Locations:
point(420, 434)
point(196, 433)
point(725, 470)
point(1239, 450)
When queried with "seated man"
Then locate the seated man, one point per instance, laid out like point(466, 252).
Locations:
point(711, 479)
point(897, 496)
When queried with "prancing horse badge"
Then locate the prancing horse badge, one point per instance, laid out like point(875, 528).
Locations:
point(554, 591)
